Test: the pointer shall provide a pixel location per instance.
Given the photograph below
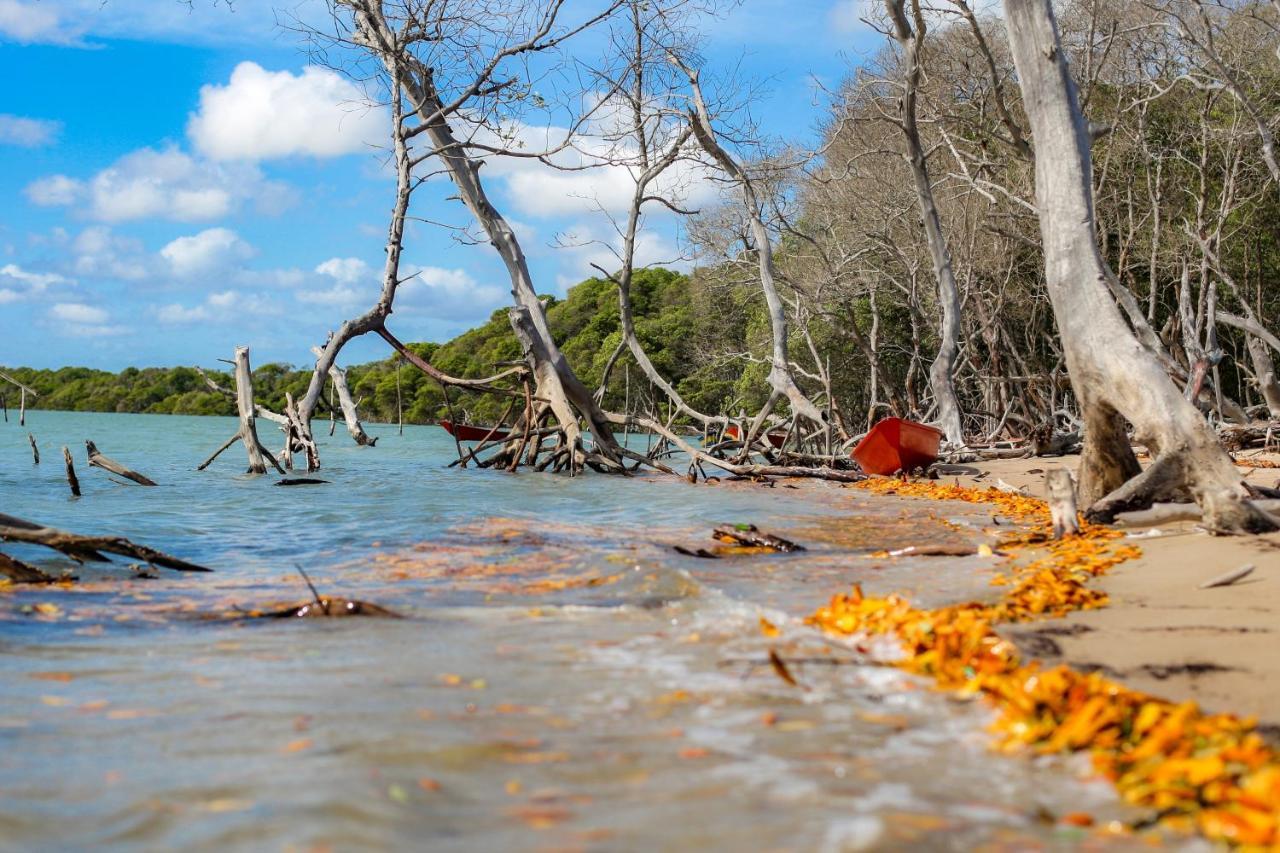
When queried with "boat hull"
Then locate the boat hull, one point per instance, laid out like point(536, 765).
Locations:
point(467, 432)
point(895, 444)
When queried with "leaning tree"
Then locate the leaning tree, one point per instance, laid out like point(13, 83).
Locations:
point(456, 72)
point(1114, 377)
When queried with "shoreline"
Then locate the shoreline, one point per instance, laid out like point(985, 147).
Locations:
point(1160, 633)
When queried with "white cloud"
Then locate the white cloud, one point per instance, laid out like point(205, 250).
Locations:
point(448, 293)
point(35, 23)
point(55, 190)
point(78, 312)
point(97, 251)
point(17, 284)
point(345, 270)
point(263, 114)
point(209, 251)
point(167, 184)
point(224, 306)
point(348, 275)
point(27, 132)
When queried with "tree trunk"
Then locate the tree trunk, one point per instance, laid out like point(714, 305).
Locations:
point(1111, 372)
point(942, 370)
point(349, 413)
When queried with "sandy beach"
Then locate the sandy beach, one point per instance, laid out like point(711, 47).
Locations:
point(1161, 633)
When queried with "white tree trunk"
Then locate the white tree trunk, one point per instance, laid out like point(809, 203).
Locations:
point(1112, 374)
point(942, 370)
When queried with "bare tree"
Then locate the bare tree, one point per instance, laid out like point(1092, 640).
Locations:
point(1114, 377)
point(909, 33)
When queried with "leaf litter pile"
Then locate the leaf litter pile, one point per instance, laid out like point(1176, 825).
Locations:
point(1211, 773)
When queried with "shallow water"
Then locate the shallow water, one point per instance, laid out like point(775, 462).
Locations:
point(561, 679)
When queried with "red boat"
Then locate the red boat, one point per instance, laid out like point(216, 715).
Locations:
point(775, 438)
point(466, 432)
point(896, 445)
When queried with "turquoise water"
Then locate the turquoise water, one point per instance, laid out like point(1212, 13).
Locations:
point(561, 678)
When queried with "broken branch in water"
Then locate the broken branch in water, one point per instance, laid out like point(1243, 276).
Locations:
point(88, 548)
point(321, 607)
point(752, 536)
point(20, 572)
point(72, 480)
point(97, 460)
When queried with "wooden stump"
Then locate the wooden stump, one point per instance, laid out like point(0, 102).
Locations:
point(72, 481)
point(1061, 493)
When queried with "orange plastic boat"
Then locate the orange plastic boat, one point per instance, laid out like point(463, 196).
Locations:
point(897, 445)
point(775, 438)
point(466, 432)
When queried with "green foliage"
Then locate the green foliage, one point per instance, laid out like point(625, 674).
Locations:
point(683, 322)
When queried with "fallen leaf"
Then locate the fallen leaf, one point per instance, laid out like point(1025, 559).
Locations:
point(297, 745)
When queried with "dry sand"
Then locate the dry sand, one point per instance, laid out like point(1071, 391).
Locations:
point(1162, 634)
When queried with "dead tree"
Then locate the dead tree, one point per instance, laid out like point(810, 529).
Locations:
point(652, 139)
point(248, 431)
point(781, 380)
point(436, 79)
point(909, 33)
point(338, 377)
point(97, 460)
point(22, 404)
point(1114, 377)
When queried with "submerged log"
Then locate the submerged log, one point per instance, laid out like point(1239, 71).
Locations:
point(88, 548)
point(97, 460)
point(72, 480)
point(20, 572)
point(754, 537)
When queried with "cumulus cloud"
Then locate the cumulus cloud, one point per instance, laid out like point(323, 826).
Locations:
point(78, 312)
point(594, 175)
point(54, 191)
point(345, 270)
point(166, 184)
point(448, 293)
point(261, 114)
point(346, 274)
point(211, 250)
point(35, 23)
point(18, 284)
point(27, 132)
point(97, 251)
point(223, 306)
point(78, 320)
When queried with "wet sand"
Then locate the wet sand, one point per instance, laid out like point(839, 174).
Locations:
point(1161, 633)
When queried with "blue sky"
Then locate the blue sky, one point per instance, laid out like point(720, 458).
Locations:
point(178, 181)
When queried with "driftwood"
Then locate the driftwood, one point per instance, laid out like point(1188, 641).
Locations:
point(1228, 578)
point(752, 536)
point(248, 431)
point(20, 572)
point(300, 481)
point(88, 548)
point(72, 480)
point(35, 451)
point(338, 377)
point(97, 460)
point(1161, 513)
point(1061, 492)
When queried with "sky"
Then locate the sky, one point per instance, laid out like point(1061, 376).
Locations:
point(177, 180)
